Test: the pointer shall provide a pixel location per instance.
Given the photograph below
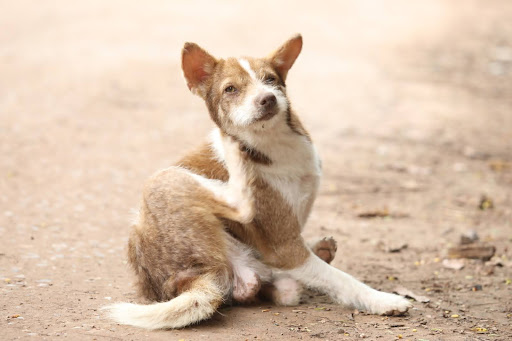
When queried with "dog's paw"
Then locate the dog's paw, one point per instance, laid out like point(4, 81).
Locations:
point(246, 286)
point(382, 303)
point(246, 207)
point(325, 249)
point(287, 291)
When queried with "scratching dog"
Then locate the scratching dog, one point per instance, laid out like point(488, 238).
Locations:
point(225, 222)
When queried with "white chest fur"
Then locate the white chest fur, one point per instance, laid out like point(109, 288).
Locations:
point(295, 170)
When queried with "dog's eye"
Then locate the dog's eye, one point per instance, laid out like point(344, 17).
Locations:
point(230, 89)
point(270, 80)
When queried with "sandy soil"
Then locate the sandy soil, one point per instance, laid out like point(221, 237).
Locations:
point(410, 106)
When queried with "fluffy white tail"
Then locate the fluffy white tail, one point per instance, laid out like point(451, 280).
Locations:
point(192, 306)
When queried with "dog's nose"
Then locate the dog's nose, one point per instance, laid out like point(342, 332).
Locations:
point(266, 101)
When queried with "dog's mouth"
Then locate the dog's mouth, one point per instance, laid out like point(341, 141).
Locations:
point(267, 115)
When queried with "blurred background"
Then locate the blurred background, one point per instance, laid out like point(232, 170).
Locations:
point(409, 103)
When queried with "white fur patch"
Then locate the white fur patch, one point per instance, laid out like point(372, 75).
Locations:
point(247, 67)
point(216, 143)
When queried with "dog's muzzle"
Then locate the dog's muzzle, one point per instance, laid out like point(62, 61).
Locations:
point(267, 106)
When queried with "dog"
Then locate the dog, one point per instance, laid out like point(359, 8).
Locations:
point(225, 222)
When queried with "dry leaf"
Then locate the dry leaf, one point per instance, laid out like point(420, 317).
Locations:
point(374, 214)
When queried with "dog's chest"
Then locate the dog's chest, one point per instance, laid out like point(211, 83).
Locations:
point(295, 175)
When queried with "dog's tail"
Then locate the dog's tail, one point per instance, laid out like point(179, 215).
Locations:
point(194, 305)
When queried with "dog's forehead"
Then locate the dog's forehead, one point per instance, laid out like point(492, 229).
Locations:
point(258, 64)
point(232, 67)
point(245, 67)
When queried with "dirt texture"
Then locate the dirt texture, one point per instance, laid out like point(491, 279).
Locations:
point(409, 104)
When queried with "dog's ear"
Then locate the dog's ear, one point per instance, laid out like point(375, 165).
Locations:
point(197, 65)
point(283, 58)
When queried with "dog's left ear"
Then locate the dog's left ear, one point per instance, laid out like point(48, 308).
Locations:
point(283, 58)
point(197, 65)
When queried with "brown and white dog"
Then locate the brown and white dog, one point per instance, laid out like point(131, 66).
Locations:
point(225, 222)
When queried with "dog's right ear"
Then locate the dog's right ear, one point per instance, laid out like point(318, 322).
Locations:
point(197, 65)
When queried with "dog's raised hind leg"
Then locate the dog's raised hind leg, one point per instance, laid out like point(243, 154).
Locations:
point(233, 199)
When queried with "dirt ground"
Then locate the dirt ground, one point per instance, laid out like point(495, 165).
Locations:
point(409, 104)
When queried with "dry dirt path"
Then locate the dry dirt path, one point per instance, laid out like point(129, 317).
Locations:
point(410, 106)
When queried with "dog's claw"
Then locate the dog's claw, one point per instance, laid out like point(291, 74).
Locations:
point(395, 312)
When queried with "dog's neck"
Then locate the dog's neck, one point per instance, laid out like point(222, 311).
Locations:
point(276, 148)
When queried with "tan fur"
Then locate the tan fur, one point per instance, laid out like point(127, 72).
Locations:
point(167, 242)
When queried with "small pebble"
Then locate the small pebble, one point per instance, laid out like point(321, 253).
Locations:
point(476, 287)
point(469, 237)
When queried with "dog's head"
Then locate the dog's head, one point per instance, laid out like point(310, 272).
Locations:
point(241, 92)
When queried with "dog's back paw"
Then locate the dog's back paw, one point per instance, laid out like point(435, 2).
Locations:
point(325, 249)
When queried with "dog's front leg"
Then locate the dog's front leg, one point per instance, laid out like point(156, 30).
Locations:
point(345, 289)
